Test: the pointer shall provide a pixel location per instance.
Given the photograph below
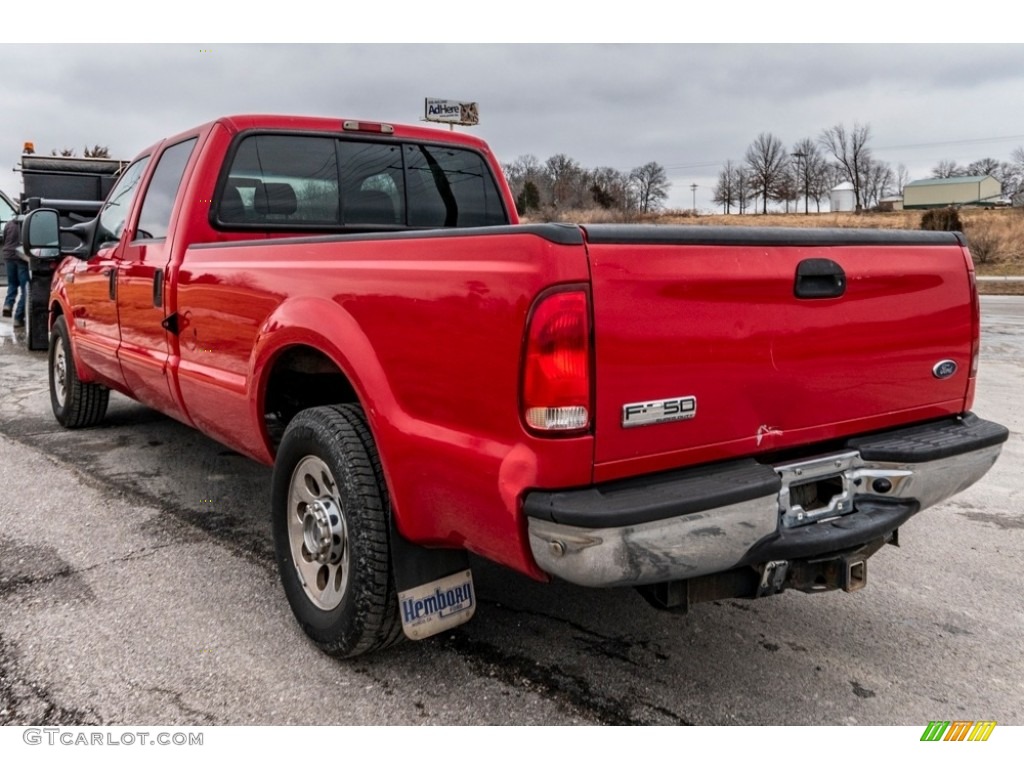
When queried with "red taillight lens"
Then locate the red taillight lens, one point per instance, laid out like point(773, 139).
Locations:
point(556, 369)
point(975, 332)
point(976, 325)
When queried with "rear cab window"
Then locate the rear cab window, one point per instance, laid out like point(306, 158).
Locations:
point(308, 182)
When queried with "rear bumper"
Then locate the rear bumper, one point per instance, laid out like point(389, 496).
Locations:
point(705, 520)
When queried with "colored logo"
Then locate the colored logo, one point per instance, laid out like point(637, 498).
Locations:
point(958, 730)
point(944, 369)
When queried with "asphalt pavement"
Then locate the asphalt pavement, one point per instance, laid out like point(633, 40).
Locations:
point(137, 587)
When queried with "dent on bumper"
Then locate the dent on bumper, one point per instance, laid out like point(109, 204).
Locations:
point(711, 540)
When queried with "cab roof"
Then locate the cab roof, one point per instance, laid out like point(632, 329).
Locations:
point(239, 123)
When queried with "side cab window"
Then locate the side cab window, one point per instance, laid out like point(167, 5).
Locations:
point(115, 211)
point(158, 204)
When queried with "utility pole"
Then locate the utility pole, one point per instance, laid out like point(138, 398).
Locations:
point(801, 157)
point(693, 188)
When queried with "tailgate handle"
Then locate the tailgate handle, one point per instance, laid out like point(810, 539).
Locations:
point(819, 279)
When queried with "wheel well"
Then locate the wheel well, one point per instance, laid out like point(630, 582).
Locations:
point(302, 377)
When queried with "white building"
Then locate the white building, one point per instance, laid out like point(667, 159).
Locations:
point(842, 198)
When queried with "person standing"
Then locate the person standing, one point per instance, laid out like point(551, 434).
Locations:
point(17, 272)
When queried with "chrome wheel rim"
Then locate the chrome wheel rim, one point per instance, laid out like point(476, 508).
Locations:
point(317, 533)
point(60, 372)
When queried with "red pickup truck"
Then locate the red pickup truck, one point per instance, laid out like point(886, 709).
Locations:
point(698, 412)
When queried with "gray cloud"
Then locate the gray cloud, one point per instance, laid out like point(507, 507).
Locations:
point(613, 105)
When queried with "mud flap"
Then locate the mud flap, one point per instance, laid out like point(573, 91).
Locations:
point(435, 587)
point(37, 312)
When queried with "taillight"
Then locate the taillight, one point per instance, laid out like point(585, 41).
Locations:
point(556, 366)
point(975, 332)
point(976, 325)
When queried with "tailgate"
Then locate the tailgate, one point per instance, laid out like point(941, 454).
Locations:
point(704, 351)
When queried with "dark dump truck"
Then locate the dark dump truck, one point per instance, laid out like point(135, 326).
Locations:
point(74, 186)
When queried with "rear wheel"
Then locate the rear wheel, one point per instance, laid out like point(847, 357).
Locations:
point(75, 403)
point(331, 532)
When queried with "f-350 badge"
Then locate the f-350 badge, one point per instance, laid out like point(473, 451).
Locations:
point(659, 411)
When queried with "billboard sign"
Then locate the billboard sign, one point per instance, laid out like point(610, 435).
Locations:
point(448, 111)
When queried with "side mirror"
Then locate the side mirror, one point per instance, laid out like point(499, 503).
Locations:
point(40, 234)
point(44, 239)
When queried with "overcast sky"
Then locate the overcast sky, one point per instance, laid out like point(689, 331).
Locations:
point(688, 106)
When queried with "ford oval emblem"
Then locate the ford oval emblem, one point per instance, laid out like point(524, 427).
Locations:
point(944, 369)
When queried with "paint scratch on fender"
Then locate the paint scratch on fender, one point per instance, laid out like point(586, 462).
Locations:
point(764, 431)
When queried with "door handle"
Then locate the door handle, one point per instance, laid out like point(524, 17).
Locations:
point(111, 282)
point(158, 288)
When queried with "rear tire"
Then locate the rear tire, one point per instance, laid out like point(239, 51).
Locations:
point(74, 402)
point(331, 517)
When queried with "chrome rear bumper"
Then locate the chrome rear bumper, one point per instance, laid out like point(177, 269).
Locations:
point(679, 526)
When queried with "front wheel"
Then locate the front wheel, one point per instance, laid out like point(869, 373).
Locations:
point(75, 403)
point(331, 532)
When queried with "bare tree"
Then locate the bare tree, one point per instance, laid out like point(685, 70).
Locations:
point(810, 164)
point(786, 189)
point(851, 153)
point(879, 182)
point(821, 183)
point(651, 185)
point(561, 182)
point(902, 177)
point(527, 169)
point(947, 169)
point(987, 166)
point(766, 160)
point(1013, 184)
point(513, 173)
point(822, 179)
point(744, 192)
point(565, 175)
point(727, 189)
point(96, 151)
point(997, 169)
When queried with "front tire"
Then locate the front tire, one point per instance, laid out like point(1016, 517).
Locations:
point(75, 403)
point(331, 532)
